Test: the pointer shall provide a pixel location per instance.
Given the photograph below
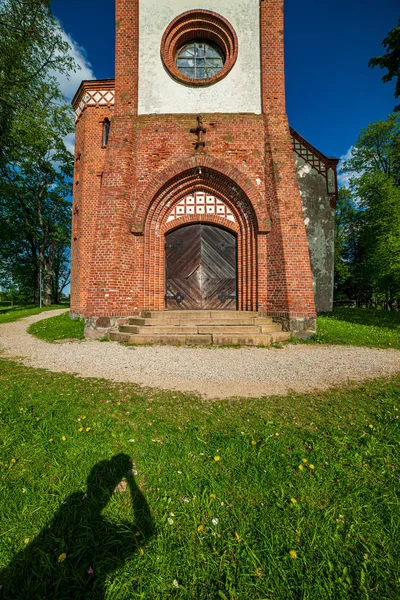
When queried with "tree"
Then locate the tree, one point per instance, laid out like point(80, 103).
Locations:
point(376, 149)
point(345, 242)
point(35, 167)
point(35, 189)
point(391, 60)
point(33, 51)
point(374, 192)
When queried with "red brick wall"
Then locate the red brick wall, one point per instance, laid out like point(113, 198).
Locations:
point(89, 165)
point(118, 260)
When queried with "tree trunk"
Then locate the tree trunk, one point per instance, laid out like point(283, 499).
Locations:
point(37, 287)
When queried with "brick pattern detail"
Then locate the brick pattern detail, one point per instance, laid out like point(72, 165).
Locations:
point(89, 95)
point(124, 193)
point(327, 167)
point(200, 204)
point(199, 24)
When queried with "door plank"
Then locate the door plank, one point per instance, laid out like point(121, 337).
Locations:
point(201, 268)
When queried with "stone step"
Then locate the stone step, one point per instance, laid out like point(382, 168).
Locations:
point(208, 314)
point(271, 328)
point(280, 336)
point(200, 320)
point(242, 340)
point(196, 340)
point(232, 329)
point(168, 339)
point(164, 329)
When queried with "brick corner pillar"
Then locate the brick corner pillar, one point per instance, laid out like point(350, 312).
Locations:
point(112, 291)
point(290, 288)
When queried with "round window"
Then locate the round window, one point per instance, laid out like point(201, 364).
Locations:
point(200, 60)
point(199, 48)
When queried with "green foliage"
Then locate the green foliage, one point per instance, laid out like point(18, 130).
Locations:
point(391, 60)
point(358, 327)
point(58, 328)
point(368, 218)
point(31, 43)
point(187, 525)
point(377, 149)
point(35, 166)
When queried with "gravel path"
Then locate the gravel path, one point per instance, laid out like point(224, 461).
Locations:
point(213, 373)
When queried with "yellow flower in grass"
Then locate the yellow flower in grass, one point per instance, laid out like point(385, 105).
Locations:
point(212, 496)
point(13, 460)
point(312, 467)
point(63, 438)
point(237, 536)
point(305, 460)
point(217, 458)
point(51, 440)
point(62, 557)
point(80, 429)
point(371, 426)
point(293, 500)
point(88, 428)
point(200, 528)
point(293, 554)
point(301, 467)
point(253, 442)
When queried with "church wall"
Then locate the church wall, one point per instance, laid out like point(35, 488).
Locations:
point(244, 149)
point(236, 139)
point(89, 163)
point(239, 92)
point(319, 218)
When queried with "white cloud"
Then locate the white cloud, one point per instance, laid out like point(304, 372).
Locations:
point(69, 142)
point(343, 178)
point(70, 84)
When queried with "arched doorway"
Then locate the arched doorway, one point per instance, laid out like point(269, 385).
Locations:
point(201, 268)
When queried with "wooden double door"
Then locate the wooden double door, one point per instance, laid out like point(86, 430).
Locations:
point(201, 268)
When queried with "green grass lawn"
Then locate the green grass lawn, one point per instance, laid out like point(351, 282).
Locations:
point(359, 327)
point(13, 313)
point(271, 499)
point(58, 328)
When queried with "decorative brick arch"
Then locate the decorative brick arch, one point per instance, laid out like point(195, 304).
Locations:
point(226, 178)
point(196, 180)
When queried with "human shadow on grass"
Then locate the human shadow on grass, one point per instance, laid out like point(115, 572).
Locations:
point(71, 558)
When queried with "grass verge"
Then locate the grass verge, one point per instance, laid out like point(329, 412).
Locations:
point(58, 328)
point(358, 327)
point(9, 314)
point(275, 498)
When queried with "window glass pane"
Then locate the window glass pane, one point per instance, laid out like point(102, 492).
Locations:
point(214, 62)
point(213, 52)
point(187, 51)
point(200, 50)
point(188, 72)
point(192, 61)
point(200, 74)
point(185, 63)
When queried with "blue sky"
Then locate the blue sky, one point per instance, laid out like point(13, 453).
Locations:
point(331, 92)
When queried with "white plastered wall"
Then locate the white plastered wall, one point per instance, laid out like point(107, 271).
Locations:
point(238, 92)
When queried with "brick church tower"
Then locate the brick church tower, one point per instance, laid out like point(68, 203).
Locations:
point(188, 177)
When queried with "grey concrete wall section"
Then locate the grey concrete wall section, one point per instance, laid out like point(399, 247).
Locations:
point(319, 218)
point(239, 92)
